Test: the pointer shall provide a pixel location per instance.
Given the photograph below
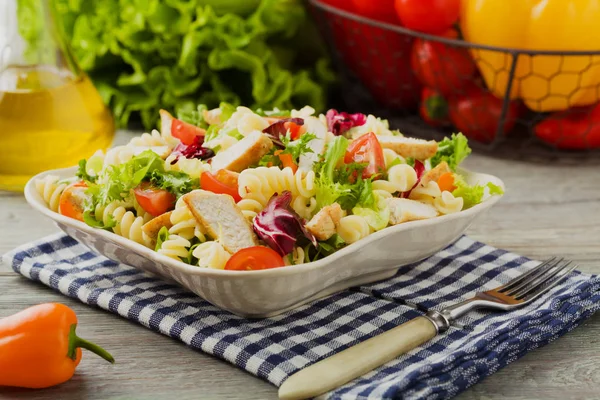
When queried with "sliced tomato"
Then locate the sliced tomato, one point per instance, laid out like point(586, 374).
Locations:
point(366, 149)
point(295, 130)
point(72, 200)
point(254, 258)
point(153, 200)
point(185, 132)
point(225, 185)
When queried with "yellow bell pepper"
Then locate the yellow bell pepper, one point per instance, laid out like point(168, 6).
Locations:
point(544, 83)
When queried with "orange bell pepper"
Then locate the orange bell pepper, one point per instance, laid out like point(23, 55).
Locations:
point(39, 347)
point(543, 82)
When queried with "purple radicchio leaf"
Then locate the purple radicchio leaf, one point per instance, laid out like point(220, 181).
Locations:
point(279, 226)
point(338, 123)
point(194, 150)
point(278, 129)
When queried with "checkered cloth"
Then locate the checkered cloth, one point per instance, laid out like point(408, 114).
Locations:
point(476, 346)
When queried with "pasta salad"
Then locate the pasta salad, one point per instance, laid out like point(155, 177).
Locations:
point(240, 189)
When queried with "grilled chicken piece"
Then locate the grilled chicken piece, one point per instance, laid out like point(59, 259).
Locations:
point(244, 153)
point(404, 210)
point(323, 225)
point(152, 227)
point(409, 147)
point(222, 219)
point(435, 173)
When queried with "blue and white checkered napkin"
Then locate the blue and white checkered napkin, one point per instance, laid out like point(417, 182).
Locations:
point(274, 348)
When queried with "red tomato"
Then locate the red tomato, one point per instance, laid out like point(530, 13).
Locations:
point(153, 200)
point(212, 183)
point(444, 68)
point(366, 149)
point(477, 114)
point(429, 16)
point(434, 108)
point(185, 132)
point(254, 258)
point(295, 130)
point(381, 10)
point(72, 199)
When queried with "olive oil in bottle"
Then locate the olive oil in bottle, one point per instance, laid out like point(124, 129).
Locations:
point(49, 119)
point(51, 115)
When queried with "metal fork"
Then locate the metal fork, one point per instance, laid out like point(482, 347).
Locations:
point(357, 360)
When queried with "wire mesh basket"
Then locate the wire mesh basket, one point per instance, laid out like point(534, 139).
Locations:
point(470, 88)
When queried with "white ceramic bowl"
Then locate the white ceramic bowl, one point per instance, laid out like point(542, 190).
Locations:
point(269, 292)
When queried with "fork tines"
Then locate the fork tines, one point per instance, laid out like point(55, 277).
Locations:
point(538, 280)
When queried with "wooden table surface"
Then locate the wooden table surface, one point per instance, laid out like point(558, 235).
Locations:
point(549, 209)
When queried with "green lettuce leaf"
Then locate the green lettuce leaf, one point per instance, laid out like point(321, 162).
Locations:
point(473, 195)
point(453, 150)
point(144, 55)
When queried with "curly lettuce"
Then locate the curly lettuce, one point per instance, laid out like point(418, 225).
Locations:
point(453, 150)
point(172, 54)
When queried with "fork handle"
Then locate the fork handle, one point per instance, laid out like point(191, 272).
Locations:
point(355, 361)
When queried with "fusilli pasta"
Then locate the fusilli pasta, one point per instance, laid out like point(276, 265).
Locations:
point(352, 228)
point(426, 194)
point(175, 247)
point(401, 178)
point(50, 188)
point(297, 256)
point(304, 207)
point(211, 255)
point(261, 183)
point(446, 203)
point(191, 166)
point(150, 140)
point(250, 208)
point(127, 224)
point(390, 157)
point(184, 223)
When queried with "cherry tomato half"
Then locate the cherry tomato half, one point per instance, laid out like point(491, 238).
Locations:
point(153, 200)
point(221, 183)
point(72, 199)
point(185, 132)
point(254, 258)
point(366, 149)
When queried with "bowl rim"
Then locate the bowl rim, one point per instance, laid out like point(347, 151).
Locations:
point(35, 200)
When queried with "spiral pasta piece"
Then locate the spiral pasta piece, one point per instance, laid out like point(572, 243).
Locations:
point(426, 194)
point(446, 203)
point(401, 178)
point(250, 208)
point(352, 228)
point(118, 155)
point(191, 166)
point(184, 224)
point(175, 247)
point(391, 157)
point(297, 256)
point(50, 188)
point(262, 183)
point(304, 207)
point(149, 140)
point(211, 255)
point(129, 226)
